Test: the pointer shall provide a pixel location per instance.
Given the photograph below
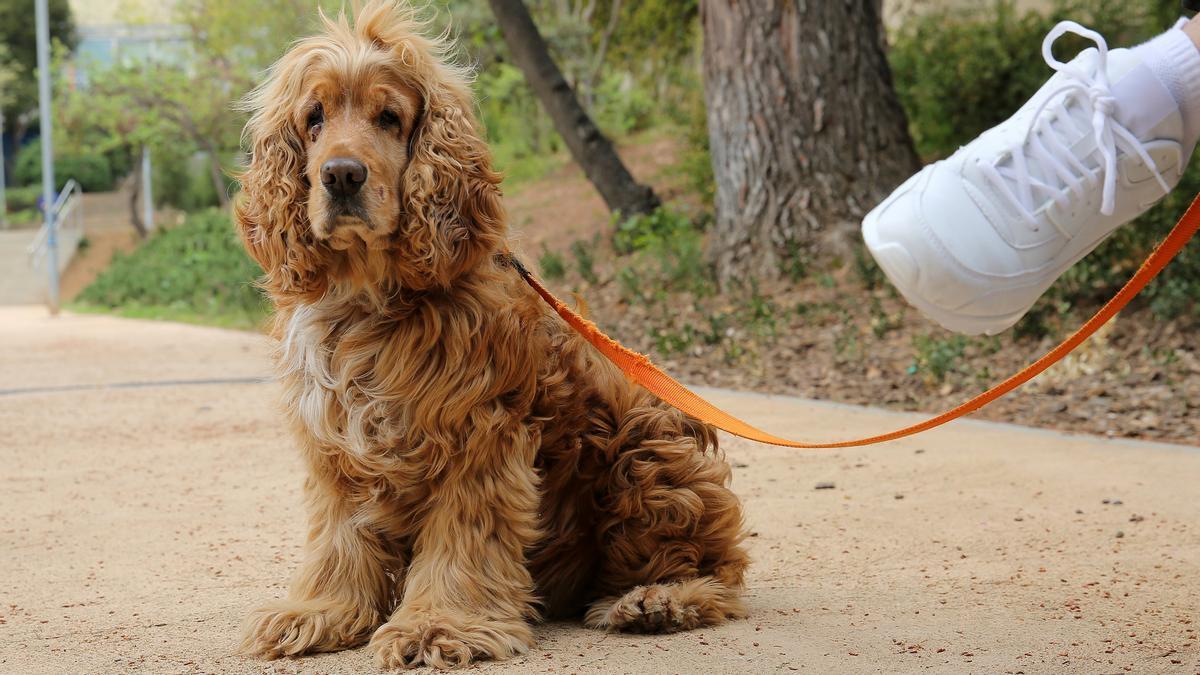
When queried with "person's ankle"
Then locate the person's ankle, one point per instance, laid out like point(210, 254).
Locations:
point(1174, 57)
point(1192, 30)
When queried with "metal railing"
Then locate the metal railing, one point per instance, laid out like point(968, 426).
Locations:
point(68, 218)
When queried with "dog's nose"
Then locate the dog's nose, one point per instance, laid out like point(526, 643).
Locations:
point(343, 177)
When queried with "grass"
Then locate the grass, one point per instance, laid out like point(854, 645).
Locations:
point(180, 314)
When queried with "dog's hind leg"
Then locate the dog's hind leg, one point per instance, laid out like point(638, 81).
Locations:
point(672, 530)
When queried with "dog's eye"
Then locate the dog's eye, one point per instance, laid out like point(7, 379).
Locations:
point(316, 116)
point(389, 119)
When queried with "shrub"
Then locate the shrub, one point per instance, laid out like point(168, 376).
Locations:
point(643, 231)
point(962, 70)
point(181, 179)
point(669, 255)
point(622, 107)
point(936, 358)
point(23, 198)
point(552, 264)
point(91, 171)
point(585, 259)
point(195, 270)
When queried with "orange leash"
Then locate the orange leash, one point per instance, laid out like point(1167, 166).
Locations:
point(639, 368)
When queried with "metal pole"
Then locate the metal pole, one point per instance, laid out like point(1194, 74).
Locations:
point(47, 137)
point(3, 194)
point(147, 198)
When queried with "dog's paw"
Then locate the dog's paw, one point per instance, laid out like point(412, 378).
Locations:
point(645, 609)
point(442, 641)
point(288, 628)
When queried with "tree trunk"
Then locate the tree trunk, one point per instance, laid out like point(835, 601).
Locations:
point(217, 175)
point(805, 129)
point(135, 193)
point(590, 148)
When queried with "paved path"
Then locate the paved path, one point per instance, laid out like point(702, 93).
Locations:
point(20, 283)
point(23, 284)
point(138, 524)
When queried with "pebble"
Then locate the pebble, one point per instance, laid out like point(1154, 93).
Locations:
point(1120, 534)
point(824, 485)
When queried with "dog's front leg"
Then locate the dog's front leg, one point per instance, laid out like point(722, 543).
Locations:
point(341, 592)
point(468, 593)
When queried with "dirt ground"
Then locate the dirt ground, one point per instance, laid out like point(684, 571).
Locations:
point(150, 497)
point(562, 207)
point(831, 336)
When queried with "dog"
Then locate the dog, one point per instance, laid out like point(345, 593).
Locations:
point(473, 466)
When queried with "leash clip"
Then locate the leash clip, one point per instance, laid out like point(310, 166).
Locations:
point(509, 259)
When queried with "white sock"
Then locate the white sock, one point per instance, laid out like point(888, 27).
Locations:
point(1175, 60)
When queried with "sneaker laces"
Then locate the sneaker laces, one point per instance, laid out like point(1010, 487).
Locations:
point(1045, 150)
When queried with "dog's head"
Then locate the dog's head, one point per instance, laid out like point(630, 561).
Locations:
point(367, 165)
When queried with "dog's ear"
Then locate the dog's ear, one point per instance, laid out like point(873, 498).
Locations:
point(272, 210)
point(452, 217)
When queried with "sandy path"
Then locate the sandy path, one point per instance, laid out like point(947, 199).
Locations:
point(138, 525)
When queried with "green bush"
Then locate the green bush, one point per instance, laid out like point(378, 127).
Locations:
point(521, 137)
point(92, 171)
point(23, 198)
point(585, 259)
point(640, 232)
point(197, 270)
point(622, 107)
point(552, 264)
point(669, 256)
point(962, 70)
point(180, 178)
point(935, 358)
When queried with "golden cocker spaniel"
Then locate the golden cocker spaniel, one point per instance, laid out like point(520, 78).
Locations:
point(473, 465)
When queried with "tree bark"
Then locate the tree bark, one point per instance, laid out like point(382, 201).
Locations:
point(590, 148)
point(135, 194)
point(805, 129)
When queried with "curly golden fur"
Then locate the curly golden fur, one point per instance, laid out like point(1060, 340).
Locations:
point(473, 465)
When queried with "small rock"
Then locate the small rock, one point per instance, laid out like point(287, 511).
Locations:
point(919, 452)
point(1019, 519)
point(1135, 518)
point(824, 485)
point(1079, 512)
point(899, 496)
point(740, 465)
point(1120, 534)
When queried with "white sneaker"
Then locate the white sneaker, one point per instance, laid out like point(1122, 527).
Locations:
point(974, 240)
